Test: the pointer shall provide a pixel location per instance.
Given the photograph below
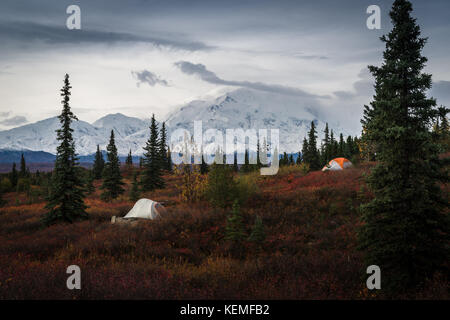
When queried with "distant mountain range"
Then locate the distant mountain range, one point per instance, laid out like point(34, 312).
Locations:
point(10, 156)
point(241, 108)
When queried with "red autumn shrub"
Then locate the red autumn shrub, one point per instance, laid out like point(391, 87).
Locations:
point(309, 251)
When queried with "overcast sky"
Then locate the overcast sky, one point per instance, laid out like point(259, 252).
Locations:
point(140, 57)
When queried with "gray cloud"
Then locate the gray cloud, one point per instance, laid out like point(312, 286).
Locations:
point(29, 31)
point(209, 76)
point(14, 121)
point(361, 88)
point(5, 114)
point(364, 88)
point(310, 57)
point(148, 77)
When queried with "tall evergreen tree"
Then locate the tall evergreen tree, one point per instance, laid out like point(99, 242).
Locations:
point(235, 227)
point(333, 146)
point(129, 159)
point(443, 129)
point(112, 178)
point(14, 177)
point(169, 164)
point(257, 234)
point(258, 156)
point(263, 153)
point(405, 230)
point(23, 167)
point(299, 158)
point(66, 199)
point(246, 167)
point(221, 189)
point(152, 174)
point(235, 162)
point(305, 149)
point(341, 146)
point(90, 182)
point(2, 202)
point(163, 146)
point(99, 164)
point(235, 231)
point(326, 150)
point(348, 148)
point(203, 166)
point(442, 113)
point(134, 191)
point(312, 154)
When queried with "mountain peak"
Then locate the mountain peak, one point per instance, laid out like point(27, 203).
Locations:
point(240, 108)
point(250, 109)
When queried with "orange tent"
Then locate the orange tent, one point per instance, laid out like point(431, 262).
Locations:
point(338, 164)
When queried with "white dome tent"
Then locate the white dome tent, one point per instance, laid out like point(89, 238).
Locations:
point(143, 209)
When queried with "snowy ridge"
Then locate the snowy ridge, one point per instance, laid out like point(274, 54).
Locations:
point(241, 108)
point(251, 109)
point(41, 136)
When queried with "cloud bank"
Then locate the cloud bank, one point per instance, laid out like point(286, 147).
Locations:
point(206, 75)
point(30, 31)
point(14, 121)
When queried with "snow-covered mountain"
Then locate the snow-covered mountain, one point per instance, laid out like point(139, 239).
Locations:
point(41, 135)
point(122, 125)
point(247, 109)
point(241, 108)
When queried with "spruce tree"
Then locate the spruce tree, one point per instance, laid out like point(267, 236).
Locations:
point(312, 154)
point(163, 146)
point(333, 146)
point(221, 189)
point(305, 149)
point(152, 174)
point(443, 129)
point(405, 230)
point(23, 167)
point(134, 191)
point(203, 166)
point(235, 162)
point(348, 148)
point(258, 156)
point(355, 145)
point(129, 160)
point(263, 153)
point(444, 126)
point(2, 202)
point(90, 182)
point(66, 199)
point(326, 150)
point(235, 227)
point(284, 159)
point(246, 166)
point(99, 164)
point(14, 177)
point(112, 178)
point(257, 234)
point(169, 164)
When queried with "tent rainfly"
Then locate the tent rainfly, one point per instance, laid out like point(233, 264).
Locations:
point(146, 209)
point(338, 164)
